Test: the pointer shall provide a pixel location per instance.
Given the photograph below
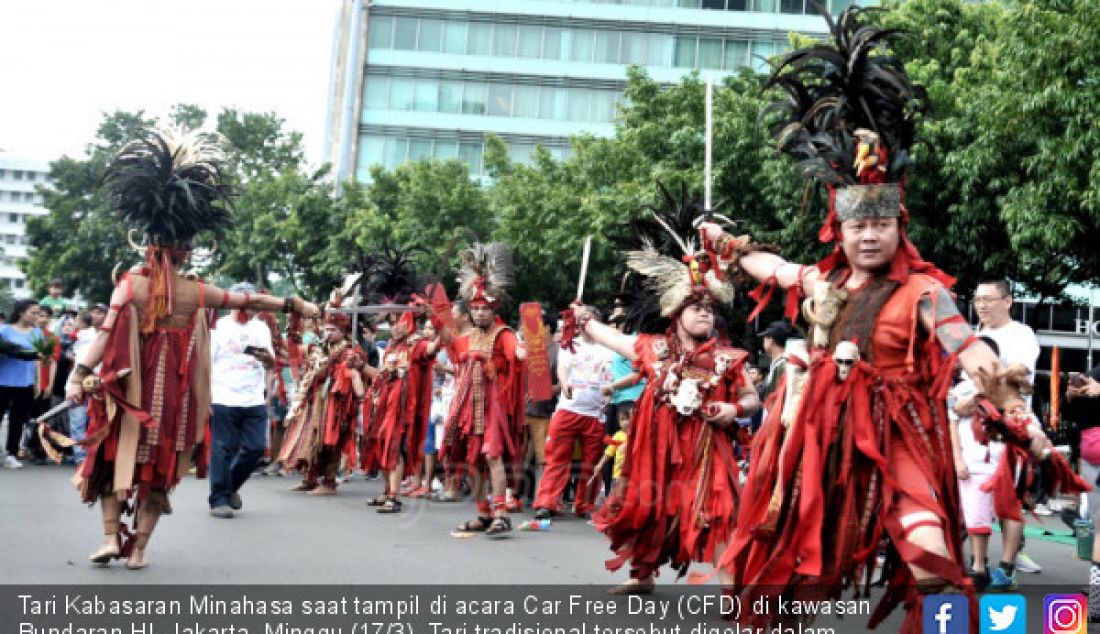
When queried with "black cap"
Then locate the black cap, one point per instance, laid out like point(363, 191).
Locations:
point(101, 307)
point(779, 331)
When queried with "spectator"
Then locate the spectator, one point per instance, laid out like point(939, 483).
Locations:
point(53, 299)
point(774, 341)
point(17, 368)
point(78, 415)
point(241, 354)
point(368, 332)
point(1018, 344)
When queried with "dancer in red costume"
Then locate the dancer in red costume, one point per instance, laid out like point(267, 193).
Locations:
point(484, 428)
point(856, 440)
point(152, 396)
point(678, 494)
point(322, 419)
point(400, 399)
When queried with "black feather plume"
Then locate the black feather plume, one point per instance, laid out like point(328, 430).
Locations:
point(390, 275)
point(169, 188)
point(831, 90)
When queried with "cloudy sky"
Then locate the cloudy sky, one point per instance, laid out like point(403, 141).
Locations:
point(65, 62)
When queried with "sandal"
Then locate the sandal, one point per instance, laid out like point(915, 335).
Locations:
point(391, 505)
point(479, 525)
point(378, 501)
point(499, 526)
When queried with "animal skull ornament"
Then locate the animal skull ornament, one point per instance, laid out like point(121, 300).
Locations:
point(722, 362)
point(845, 356)
point(798, 360)
point(687, 398)
point(660, 349)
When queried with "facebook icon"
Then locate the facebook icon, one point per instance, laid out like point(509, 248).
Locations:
point(946, 614)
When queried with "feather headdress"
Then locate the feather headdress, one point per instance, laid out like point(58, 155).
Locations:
point(668, 272)
point(849, 116)
point(485, 273)
point(389, 275)
point(169, 187)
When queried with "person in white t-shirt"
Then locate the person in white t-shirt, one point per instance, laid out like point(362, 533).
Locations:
point(578, 416)
point(241, 355)
point(1017, 344)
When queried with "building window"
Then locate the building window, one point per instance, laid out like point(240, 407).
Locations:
point(607, 47)
point(634, 48)
point(381, 32)
point(500, 100)
point(431, 36)
point(525, 102)
point(530, 41)
point(10, 238)
point(474, 96)
point(28, 197)
point(19, 283)
point(376, 93)
point(581, 47)
point(684, 56)
point(445, 150)
point(551, 43)
point(479, 40)
point(404, 34)
point(737, 54)
point(15, 197)
point(470, 153)
point(3, 173)
point(504, 40)
point(454, 37)
point(710, 53)
point(401, 93)
point(420, 149)
point(396, 151)
point(792, 6)
point(17, 174)
point(426, 95)
point(450, 96)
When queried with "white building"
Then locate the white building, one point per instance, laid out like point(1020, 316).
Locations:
point(19, 199)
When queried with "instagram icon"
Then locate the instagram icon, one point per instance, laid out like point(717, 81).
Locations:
point(1064, 614)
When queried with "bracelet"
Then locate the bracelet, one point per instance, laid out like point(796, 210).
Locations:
point(734, 248)
point(288, 304)
point(81, 371)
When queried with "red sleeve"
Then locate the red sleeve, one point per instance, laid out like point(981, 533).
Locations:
point(645, 356)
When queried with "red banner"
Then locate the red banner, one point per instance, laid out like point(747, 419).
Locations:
point(537, 340)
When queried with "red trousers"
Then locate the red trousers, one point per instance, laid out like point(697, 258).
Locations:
point(565, 428)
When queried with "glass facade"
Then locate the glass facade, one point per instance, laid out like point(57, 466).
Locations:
point(492, 98)
point(393, 149)
point(760, 6)
point(440, 75)
point(580, 45)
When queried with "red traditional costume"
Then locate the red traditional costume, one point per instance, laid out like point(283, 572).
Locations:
point(677, 497)
point(321, 424)
point(151, 400)
point(396, 411)
point(845, 456)
point(488, 410)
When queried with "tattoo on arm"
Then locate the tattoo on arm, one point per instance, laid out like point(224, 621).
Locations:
point(947, 323)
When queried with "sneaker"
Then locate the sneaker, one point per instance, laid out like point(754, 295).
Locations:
point(542, 513)
point(1001, 582)
point(221, 512)
point(12, 463)
point(1055, 504)
point(235, 502)
point(1027, 564)
point(1043, 509)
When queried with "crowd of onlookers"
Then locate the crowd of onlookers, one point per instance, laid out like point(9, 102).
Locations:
point(39, 341)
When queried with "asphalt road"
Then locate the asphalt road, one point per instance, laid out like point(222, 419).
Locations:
point(283, 537)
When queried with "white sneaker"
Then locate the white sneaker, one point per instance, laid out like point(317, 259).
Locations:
point(1043, 509)
point(11, 463)
point(1055, 505)
point(1027, 564)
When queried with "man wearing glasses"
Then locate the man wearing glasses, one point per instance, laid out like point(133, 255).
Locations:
point(1018, 344)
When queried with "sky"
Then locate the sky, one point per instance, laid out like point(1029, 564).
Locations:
point(63, 63)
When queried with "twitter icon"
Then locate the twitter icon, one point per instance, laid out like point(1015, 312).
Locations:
point(1003, 614)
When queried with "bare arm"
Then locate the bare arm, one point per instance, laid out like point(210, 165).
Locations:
point(611, 338)
point(762, 265)
point(357, 385)
point(215, 297)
